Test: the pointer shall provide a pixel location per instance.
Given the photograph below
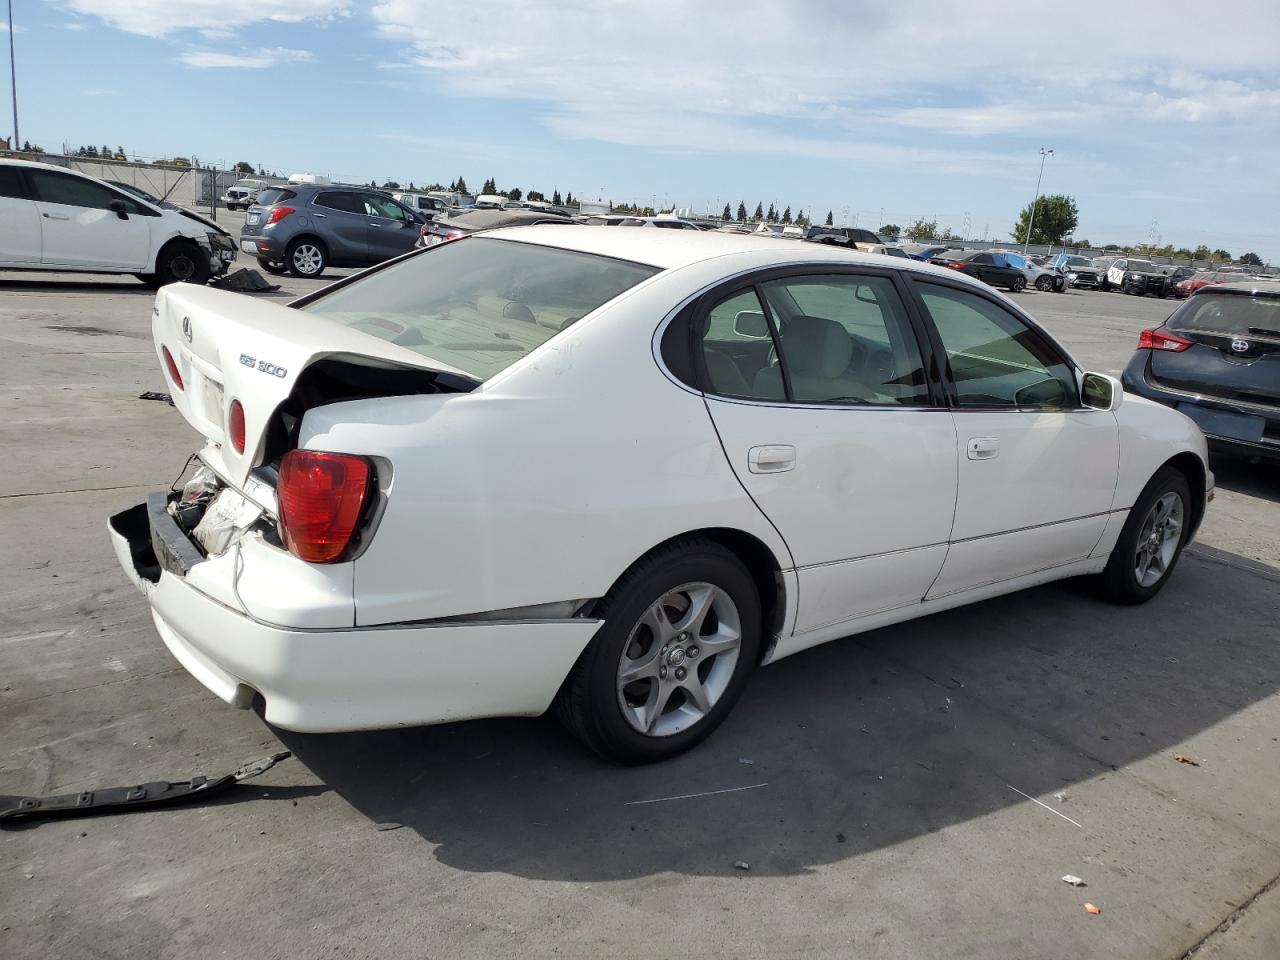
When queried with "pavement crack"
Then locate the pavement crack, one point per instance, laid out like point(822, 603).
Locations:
point(1231, 918)
point(60, 493)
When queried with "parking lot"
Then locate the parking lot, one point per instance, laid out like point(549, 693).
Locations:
point(913, 792)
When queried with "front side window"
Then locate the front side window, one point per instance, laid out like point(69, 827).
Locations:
point(11, 183)
point(53, 187)
point(479, 304)
point(996, 359)
point(385, 207)
point(841, 340)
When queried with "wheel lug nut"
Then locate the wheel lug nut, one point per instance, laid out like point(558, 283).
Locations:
point(662, 672)
point(693, 652)
point(681, 673)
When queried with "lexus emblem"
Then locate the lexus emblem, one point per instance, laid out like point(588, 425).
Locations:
point(186, 328)
point(1240, 346)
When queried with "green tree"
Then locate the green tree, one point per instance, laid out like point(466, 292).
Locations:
point(1201, 252)
point(514, 194)
point(830, 221)
point(535, 195)
point(801, 219)
point(489, 186)
point(568, 199)
point(243, 167)
point(391, 185)
point(888, 230)
point(120, 153)
point(786, 215)
point(728, 212)
point(555, 197)
point(922, 228)
point(1220, 254)
point(759, 214)
point(1055, 217)
point(742, 212)
point(1251, 258)
point(772, 215)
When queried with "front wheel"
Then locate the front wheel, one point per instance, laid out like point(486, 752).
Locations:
point(1019, 284)
point(180, 261)
point(681, 634)
point(1151, 540)
point(1044, 284)
point(272, 266)
point(306, 258)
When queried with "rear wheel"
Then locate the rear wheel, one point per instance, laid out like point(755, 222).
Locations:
point(681, 634)
point(1151, 541)
point(306, 258)
point(1019, 284)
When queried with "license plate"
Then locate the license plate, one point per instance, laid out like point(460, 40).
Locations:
point(1223, 423)
point(253, 218)
point(213, 396)
point(248, 246)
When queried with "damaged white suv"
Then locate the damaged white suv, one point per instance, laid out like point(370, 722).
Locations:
point(615, 470)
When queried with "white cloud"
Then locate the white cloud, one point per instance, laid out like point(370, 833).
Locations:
point(4, 28)
point(159, 18)
point(250, 60)
point(761, 76)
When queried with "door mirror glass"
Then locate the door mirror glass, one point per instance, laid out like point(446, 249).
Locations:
point(1100, 391)
point(751, 324)
point(119, 207)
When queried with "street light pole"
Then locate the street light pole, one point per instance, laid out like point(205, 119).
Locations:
point(13, 82)
point(1044, 154)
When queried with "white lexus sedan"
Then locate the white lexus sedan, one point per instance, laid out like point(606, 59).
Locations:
point(614, 471)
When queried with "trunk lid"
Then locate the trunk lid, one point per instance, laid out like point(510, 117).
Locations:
point(228, 346)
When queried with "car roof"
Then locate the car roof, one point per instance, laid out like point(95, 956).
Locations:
point(1264, 288)
point(670, 249)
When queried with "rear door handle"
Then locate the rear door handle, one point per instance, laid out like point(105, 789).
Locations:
point(56, 216)
point(320, 216)
point(984, 448)
point(775, 458)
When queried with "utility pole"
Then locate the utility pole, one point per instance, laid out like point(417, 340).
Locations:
point(13, 82)
point(1044, 154)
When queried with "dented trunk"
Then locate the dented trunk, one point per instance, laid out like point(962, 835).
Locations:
point(277, 362)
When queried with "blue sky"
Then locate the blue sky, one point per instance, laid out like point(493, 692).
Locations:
point(1156, 111)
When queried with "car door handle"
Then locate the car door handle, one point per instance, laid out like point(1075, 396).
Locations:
point(776, 458)
point(375, 226)
point(319, 216)
point(56, 216)
point(984, 448)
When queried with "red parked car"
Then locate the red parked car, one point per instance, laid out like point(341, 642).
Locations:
point(1185, 288)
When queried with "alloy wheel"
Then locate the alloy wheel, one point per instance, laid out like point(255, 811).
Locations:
point(308, 259)
point(1158, 540)
point(679, 659)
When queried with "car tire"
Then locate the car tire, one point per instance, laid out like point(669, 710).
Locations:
point(306, 257)
point(179, 261)
point(1044, 284)
point(1019, 284)
point(680, 691)
point(1151, 540)
point(276, 267)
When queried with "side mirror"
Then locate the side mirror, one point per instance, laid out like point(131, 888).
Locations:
point(120, 209)
point(751, 324)
point(1047, 393)
point(1100, 392)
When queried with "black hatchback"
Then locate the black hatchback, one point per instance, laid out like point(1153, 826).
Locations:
point(1217, 359)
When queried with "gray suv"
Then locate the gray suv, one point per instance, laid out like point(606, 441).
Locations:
point(303, 228)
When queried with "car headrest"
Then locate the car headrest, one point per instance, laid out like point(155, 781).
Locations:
point(501, 307)
point(816, 347)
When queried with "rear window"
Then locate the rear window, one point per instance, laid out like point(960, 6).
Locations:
point(274, 195)
point(1232, 315)
point(480, 304)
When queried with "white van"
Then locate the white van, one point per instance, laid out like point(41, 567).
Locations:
point(426, 204)
point(52, 218)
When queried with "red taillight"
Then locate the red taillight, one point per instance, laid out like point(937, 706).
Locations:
point(453, 235)
point(321, 497)
point(1159, 340)
point(172, 366)
point(277, 214)
point(235, 425)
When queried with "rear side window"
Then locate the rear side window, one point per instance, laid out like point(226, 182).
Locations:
point(275, 195)
point(339, 200)
point(479, 304)
point(63, 188)
point(1229, 314)
point(11, 183)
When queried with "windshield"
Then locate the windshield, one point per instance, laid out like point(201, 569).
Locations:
point(480, 304)
point(1230, 314)
point(1142, 266)
point(1079, 262)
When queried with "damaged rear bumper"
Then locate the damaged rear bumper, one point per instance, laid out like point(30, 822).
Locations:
point(319, 680)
